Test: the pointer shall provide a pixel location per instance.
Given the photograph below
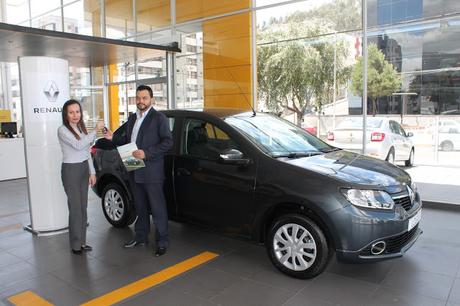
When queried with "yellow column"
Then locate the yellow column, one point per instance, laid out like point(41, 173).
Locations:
point(114, 115)
point(227, 62)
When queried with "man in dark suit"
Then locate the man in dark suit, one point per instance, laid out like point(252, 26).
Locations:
point(150, 130)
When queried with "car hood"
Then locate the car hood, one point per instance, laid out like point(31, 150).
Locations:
point(356, 169)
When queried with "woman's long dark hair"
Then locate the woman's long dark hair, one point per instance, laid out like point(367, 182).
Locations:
point(65, 120)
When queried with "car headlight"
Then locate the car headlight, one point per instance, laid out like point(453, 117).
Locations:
point(376, 199)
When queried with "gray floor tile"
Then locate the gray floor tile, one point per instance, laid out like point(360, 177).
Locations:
point(273, 277)
point(203, 282)
point(300, 300)
point(454, 296)
point(340, 290)
point(18, 272)
point(419, 282)
point(166, 295)
point(372, 272)
point(7, 259)
point(248, 292)
point(51, 289)
point(387, 296)
point(244, 262)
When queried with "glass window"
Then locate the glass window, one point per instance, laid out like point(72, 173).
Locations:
point(39, 7)
point(119, 19)
point(189, 72)
point(204, 140)
point(83, 17)
point(16, 11)
point(50, 21)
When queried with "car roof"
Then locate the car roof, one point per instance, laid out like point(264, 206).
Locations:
point(216, 112)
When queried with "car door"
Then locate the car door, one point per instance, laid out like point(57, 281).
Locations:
point(397, 140)
point(209, 191)
point(404, 142)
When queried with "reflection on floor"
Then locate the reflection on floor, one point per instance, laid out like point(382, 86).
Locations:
point(240, 275)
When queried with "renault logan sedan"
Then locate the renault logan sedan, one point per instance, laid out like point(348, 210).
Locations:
point(256, 176)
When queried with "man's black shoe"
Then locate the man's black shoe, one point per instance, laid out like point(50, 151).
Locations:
point(160, 251)
point(77, 252)
point(133, 244)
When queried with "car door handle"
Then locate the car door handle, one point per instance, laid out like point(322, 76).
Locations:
point(183, 172)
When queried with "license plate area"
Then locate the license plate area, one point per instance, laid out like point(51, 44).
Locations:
point(414, 220)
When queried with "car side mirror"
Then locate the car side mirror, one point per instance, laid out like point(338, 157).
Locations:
point(410, 134)
point(233, 156)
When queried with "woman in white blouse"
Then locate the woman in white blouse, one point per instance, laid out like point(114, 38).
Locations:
point(77, 170)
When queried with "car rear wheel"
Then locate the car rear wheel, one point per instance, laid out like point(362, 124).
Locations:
point(391, 156)
point(410, 161)
point(116, 207)
point(297, 246)
point(447, 146)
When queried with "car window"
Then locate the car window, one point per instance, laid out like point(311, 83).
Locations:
point(276, 136)
point(394, 127)
point(205, 140)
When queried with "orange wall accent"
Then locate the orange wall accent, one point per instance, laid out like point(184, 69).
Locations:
point(114, 116)
point(194, 9)
point(227, 62)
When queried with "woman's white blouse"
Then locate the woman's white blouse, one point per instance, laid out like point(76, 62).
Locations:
point(76, 150)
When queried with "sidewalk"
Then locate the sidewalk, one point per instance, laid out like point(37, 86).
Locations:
point(439, 184)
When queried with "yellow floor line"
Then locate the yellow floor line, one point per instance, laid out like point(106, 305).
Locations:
point(150, 281)
point(28, 298)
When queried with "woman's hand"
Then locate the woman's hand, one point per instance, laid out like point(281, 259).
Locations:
point(99, 126)
point(92, 179)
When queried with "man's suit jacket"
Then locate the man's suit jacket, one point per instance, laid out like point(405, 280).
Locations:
point(154, 138)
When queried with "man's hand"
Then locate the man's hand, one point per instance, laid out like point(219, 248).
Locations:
point(92, 180)
point(139, 154)
point(108, 134)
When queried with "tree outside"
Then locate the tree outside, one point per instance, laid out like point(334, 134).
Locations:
point(296, 74)
point(382, 78)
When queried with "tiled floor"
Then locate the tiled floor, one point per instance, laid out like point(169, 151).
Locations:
point(241, 275)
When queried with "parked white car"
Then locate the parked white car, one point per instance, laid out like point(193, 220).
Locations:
point(386, 139)
point(449, 138)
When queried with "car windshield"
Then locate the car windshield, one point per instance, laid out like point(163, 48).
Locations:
point(357, 123)
point(278, 137)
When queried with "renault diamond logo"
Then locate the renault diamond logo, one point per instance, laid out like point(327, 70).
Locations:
point(51, 91)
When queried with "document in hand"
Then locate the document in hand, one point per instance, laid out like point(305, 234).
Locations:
point(126, 153)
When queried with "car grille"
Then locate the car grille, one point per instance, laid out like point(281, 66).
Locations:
point(393, 244)
point(405, 202)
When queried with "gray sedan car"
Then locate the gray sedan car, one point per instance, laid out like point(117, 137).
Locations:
point(258, 177)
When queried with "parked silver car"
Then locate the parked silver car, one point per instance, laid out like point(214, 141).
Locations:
point(386, 139)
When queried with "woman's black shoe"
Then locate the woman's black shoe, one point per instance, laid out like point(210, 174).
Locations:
point(86, 248)
point(77, 252)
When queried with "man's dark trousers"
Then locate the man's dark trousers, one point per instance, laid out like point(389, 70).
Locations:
point(151, 194)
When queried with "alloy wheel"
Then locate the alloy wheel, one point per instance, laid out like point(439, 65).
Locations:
point(294, 247)
point(114, 205)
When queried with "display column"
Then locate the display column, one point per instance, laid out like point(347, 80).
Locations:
point(44, 90)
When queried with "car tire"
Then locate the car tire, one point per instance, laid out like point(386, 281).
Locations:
point(300, 254)
point(447, 146)
point(391, 156)
point(410, 161)
point(116, 207)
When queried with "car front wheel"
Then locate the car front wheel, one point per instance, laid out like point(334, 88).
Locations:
point(116, 207)
point(297, 246)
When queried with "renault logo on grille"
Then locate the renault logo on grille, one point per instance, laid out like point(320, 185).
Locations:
point(51, 91)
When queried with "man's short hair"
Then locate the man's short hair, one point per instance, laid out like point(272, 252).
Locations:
point(145, 87)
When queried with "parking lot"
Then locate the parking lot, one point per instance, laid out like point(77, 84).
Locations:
point(241, 274)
